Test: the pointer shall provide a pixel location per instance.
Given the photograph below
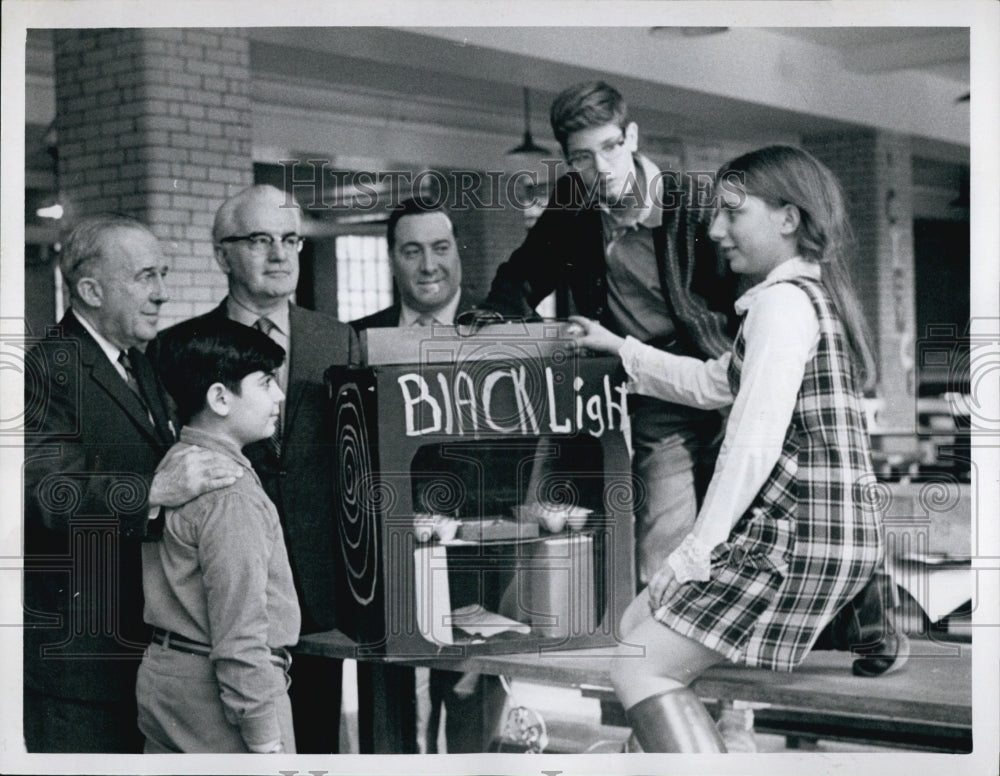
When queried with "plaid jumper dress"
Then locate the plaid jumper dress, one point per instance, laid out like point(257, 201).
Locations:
point(810, 540)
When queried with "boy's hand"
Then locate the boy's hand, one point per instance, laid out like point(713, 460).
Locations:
point(188, 472)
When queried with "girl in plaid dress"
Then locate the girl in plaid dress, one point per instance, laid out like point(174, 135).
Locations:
point(784, 537)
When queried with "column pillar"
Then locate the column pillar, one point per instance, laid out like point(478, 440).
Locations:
point(876, 172)
point(156, 123)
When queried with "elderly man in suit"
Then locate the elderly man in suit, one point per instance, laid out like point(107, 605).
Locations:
point(97, 430)
point(427, 268)
point(257, 244)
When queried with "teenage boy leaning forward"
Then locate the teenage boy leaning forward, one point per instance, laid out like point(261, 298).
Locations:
point(218, 587)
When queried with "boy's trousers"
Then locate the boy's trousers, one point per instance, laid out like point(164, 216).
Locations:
point(180, 709)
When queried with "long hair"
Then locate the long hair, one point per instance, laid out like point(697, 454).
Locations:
point(786, 175)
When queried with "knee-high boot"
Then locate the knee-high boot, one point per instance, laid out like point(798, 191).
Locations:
point(674, 721)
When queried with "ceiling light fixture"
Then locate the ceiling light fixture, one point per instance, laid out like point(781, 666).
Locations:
point(528, 145)
point(52, 211)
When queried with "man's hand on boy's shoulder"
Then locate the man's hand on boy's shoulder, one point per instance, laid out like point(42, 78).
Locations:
point(187, 472)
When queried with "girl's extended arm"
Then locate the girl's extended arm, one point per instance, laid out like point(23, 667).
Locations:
point(662, 375)
point(781, 332)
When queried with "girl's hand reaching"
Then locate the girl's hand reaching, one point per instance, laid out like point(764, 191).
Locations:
point(590, 334)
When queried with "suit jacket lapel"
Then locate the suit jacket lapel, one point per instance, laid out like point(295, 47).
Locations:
point(303, 357)
point(153, 394)
point(107, 378)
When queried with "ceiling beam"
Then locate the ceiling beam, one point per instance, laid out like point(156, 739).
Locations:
point(951, 47)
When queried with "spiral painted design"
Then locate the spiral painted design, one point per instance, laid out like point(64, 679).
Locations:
point(126, 494)
point(874, 496)
point(941, 494)
point(359, 495)
point(60, 493)
point(442, 495)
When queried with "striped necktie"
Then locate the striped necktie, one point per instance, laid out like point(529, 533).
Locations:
point(266, 325)
point(133, 383)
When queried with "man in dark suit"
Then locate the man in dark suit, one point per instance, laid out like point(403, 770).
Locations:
point(427, 268)
point(257, 243)
point(425, 265)
point(97, 429)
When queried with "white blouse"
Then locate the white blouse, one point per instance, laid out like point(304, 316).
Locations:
point(781, 333)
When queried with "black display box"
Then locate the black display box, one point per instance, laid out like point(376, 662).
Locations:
point(470, 426)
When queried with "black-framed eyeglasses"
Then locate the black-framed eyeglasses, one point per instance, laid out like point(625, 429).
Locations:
point(609, 151)
point(262, 241)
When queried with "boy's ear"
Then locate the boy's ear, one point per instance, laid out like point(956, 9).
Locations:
point(632, 136)
point(217, 399)
point(791, 217)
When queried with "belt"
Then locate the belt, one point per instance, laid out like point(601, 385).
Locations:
point(175, 641)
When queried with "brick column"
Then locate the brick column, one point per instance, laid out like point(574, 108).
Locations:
point(156, 123)
point(876, 172)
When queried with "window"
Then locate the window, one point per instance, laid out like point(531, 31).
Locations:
point(364, 276)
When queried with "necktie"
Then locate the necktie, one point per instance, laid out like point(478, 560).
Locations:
point(266, 325)
point(133, 383)
point(425, 319)
point(130, 380)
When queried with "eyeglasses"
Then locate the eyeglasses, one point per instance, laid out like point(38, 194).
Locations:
point(610, 150)
point(262, 241)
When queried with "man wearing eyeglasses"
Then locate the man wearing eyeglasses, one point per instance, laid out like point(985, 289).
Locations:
point(257, 242)
point(632, 259)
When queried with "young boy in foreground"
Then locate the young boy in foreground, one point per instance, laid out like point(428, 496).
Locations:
point(218, 587)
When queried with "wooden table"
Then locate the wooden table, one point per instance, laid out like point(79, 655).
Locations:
point(926, 705)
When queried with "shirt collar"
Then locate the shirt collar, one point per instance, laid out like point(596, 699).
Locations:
point(796, 267)
point(110, 350)
point(445, 316)
point(243, 314)
point(648, 215)
point(202, 438)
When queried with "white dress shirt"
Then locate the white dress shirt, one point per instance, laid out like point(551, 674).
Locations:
point(781, 334)
point(445, 316)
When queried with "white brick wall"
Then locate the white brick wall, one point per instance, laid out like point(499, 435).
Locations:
point(156, 123)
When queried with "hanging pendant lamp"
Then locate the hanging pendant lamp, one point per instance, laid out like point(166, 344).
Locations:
point(528, 145)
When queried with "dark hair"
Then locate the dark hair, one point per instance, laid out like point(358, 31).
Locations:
point(586, 105)
point(414, 206)
point(195, 354)
point(786, 175)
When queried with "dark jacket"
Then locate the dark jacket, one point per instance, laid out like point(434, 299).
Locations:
point(90, 453)
point(566, 245)
point(301, 482)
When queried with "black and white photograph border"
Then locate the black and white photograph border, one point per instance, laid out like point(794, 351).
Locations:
point(558, 42)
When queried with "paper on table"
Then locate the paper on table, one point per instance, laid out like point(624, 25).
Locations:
point(478, 621)
point(939, 591)
point(433, 598)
